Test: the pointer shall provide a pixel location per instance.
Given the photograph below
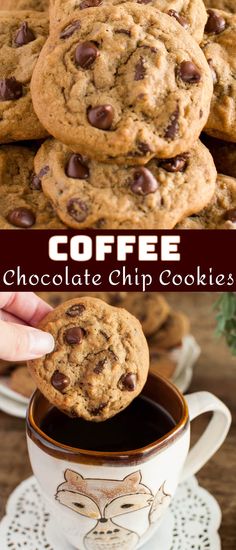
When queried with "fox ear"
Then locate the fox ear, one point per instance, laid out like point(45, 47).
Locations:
point(72, 477)
point(134, 478)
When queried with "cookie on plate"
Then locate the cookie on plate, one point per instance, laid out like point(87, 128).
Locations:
point(190, 14)
point(172, 332)
point(100, 361)
point(161, 363)
point(22, 35)
point(221, 212)
point(22, 202)
point(21, 381)
point(226, 5)
point(150, 308)
point(86, 193)
point(38, 5)
point(223, 153)
point(219, 48)
point(123, 84)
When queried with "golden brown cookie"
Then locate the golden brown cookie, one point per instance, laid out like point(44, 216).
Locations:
point(219, 48)
point(22, 203)
point(223, 153)
point(172, 331)
point(38, 5)
point(226, 5)
point(86, 193)
point(22, 382)
point(150, 308)
point(100, 361)
point(122, 83)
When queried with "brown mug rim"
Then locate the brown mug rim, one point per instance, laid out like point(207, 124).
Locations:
point(74, 454)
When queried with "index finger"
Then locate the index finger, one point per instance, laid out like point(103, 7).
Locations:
point(27, 306)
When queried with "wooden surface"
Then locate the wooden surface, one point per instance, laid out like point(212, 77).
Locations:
point(215, 372)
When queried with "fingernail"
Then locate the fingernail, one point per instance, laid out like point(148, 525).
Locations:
point(40, 343)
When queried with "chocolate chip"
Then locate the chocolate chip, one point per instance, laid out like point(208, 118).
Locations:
point(144, 182)
point(144, 148)
point(24, 35)
point(101, 117)
point(144, 1)
point(75, 310)
point(176, 164)
point(70, 29)
point(60, 381)
point(85, 54)
point(215, 23)
point(21, 217)
point(213, 72)
point(77, 209)
point(128, 382)
point(77, 168)
point(36, 184)
point(10, 88)
point(99, 409)
point(139, 70)
point(173, 127)
point(181, 20)
point(188, 72)
point(74, 335)
point(230, 215)
point(100, 366)
point(90, 4)
point(100, 223)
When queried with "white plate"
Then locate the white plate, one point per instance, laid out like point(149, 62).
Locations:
point(191, 523)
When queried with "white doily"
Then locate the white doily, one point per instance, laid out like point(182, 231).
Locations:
point(191, 523)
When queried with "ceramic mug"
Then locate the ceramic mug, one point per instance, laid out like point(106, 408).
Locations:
point(117, 500)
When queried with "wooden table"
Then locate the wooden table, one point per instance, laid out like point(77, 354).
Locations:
point(215, 372)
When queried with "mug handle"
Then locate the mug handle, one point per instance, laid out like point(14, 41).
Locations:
point(214, 434)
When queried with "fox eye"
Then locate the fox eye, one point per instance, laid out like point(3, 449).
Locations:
point(127, 505)
point(78, 504)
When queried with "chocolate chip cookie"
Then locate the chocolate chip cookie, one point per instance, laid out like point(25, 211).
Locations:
point(86, 193)
point(226, 5)
point(100, 362)
point(22, 35)
point(123, 84)
point(221, 212)
point(22, 203)
point(38, 5)
point(150, 308)
point(172, 332)
point(190, 14)
point(219, 49)
point(223, 153)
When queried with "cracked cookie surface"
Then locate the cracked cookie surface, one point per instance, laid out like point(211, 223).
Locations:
point(219, 48)
point(221, 212)
point(191, 14)
point(225, 5)
point(86, 193)
point(22, 36)
point(22, 202)
point(122, 83)
point(100, 361)
point(38, 5)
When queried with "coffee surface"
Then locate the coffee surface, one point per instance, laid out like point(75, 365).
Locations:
point(141, 423)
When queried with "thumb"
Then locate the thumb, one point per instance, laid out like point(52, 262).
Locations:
point(20, 342)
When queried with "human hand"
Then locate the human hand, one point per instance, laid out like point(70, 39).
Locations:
point(20, 312)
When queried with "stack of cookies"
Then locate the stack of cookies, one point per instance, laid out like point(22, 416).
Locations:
point(163, 327)
point(120, 92)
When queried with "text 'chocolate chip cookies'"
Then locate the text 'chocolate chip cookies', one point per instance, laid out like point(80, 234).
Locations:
point(144, 92)
point(100, 361)
point(86, 193)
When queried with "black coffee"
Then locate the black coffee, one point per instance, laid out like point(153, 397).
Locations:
point(141, 423)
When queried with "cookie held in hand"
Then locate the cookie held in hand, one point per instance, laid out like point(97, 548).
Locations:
point(100, 361)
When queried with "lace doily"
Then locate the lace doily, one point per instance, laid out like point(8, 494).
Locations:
point(191, 523)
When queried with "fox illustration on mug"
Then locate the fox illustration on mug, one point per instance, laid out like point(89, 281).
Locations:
point(104, 499)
